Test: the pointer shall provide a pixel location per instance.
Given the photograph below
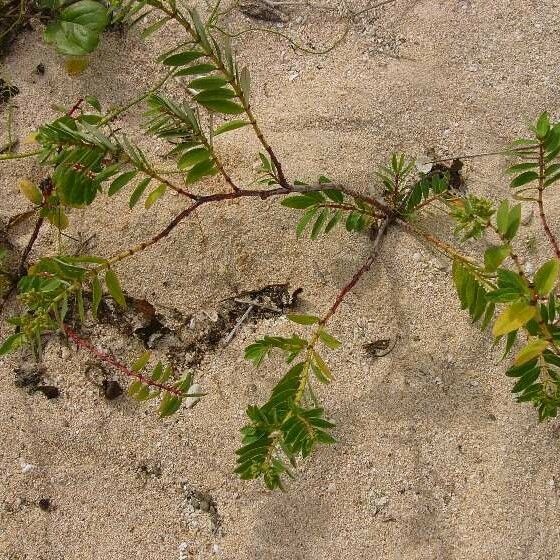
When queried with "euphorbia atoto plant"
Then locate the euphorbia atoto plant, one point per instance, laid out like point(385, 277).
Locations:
point(86, 156)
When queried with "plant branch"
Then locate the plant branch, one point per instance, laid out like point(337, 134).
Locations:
point(549, 234)
point(359, 273)
point(30, 243)
point(108, 359)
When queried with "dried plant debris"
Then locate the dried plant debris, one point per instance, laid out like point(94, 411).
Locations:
point(30, 378)
point(110, 388)
point(263, 10)
point(7, 91)
point(187, 339)
point(200, 510)
point(380, 348)
point(453, 171)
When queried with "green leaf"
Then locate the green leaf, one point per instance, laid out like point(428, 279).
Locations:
point(114, 287)
point(319, 223)
point(494, 256)
point(231, 125)
point(514, 220)
point(304, 220)
point(77, 30)
point(156, 26)
point(200, 170)
point(502, 215)
point(210, 82)
point(335, 195)
point(97, 294)
point(533, 349)
point(546, 276)
point(12, 343)
point(523, 167)
point(212, 94)
point(245, 82)
point(121, 181)
point(303, 319)
point(138, 192)
point(181, 59)
point(141, 362)
point(329, 340)
point(93, 102)
point(524, 178)
point(192, 157)
point(513, 317)
point(169, 405)
point(30, 191)
point(196, 69)
point(299, 202)
point(222, 106)
point(543, 126)
point(154, 196)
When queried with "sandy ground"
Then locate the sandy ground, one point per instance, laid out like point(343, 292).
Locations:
point(434, 460)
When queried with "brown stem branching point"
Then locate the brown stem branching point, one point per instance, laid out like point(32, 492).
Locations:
point(108, 359)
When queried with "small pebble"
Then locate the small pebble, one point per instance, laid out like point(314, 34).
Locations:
point(191, 401)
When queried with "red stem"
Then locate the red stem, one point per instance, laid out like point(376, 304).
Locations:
point(75, 107)
point(118, 365)
point(358, 274)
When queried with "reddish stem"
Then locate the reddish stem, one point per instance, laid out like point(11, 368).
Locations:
point(75, 107)
point(550, 235)
point(358, 274)
point(82, 343)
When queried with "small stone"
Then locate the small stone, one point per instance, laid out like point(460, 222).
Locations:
point(204, 506)
point(293, 76)
point(26, 467)
point(529, 268)
point(526, 215)
point(416, 257)
point(191, 401)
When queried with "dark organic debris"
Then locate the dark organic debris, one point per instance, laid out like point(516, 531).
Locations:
point(150, 470)
point(264, 10)
point(187, 339)
point(7, 91)
point(380, 348)
point(30, 377)
point(40, 69)
point(95, 373)
point(50, 391)
point(45, 504)
point(456, 180)
point(111, 389)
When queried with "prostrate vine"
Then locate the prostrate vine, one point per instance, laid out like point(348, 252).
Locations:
point(86, 156)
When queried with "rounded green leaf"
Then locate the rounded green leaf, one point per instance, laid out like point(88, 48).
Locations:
point(182, 58)
point(114, 287)
point(78, 28)
point(303, 319)
point(494, 256)
point(545, 278)
point(211, 82)
point(513, 317)
point(533, 349)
